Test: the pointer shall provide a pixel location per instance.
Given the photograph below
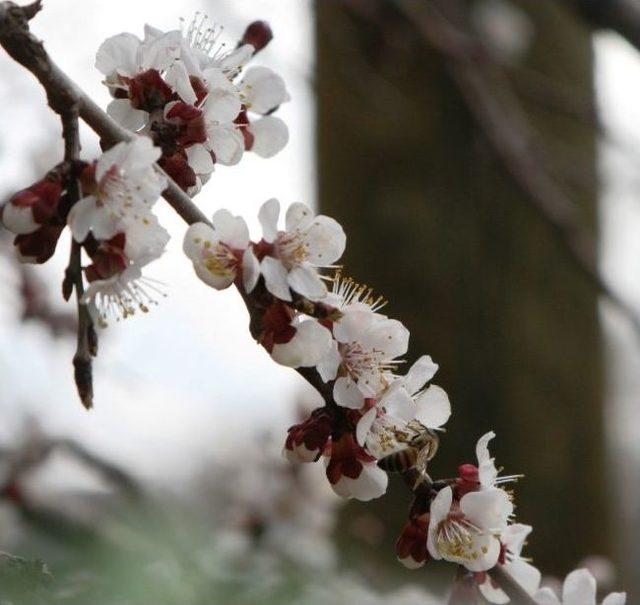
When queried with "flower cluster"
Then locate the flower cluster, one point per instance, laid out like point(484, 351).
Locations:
point(187, 92)
point(115, 224)
point(339, 331)
point(113, 220)
point(375, 420)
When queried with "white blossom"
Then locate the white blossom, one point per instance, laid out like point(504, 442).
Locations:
point(465, 533)
point(308, 242)
point(404, 401)
point(218, 251)
point(127, 185)
point(362, 355)
point(124, 56)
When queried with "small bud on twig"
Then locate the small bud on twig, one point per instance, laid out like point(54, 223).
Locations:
point(258, 34)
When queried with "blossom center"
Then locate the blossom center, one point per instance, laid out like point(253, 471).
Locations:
point(456, 538)
point(220, 260)
point(292, 249)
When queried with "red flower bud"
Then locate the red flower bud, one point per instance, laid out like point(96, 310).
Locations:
point(468, 480)
point(258, 34)
point(306, 441)
point(39, 246)
point(411, 547)
point(33, 206)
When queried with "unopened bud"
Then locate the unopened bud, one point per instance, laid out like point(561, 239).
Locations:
point(39, 246)
point(32, 207)
point(258, 34)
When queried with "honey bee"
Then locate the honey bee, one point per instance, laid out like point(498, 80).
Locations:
point(421, 447)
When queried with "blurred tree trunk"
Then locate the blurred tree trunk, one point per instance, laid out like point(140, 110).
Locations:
point(437, 225)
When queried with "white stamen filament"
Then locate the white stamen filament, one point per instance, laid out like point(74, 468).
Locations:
point(455, 538)
point(351, 292)
point(119, 300)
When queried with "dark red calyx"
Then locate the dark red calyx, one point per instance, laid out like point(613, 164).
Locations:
point(177, 167)
point(314, 432)
point(276, 325)
point(148, 91)
point(109, 259)
point(40, 245)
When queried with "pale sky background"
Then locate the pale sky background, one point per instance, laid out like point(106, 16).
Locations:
point(184, 381)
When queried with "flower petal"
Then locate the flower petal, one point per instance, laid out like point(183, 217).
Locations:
point(231, 230)
point(489, 509)
point(326, 241)
point(347, 394)
point(440, 507)
point(221, 106)
point(275, 278)
point(268, 217)
point(364, 426)
point(398, 403)
point(126, 115)
point(250, 270)
point(299, 216)
point(270, 135)
point(118, 54)
point(486, 466)
point(328, 366)
point(226, 142)
point(177, 77)
point(19, 219)
point(579, 588)
point(306, 281)
point(433, 407)
point(371, 483)
point(200, 159)
point(388, 336)
point(195, 238)
point(263, 89)
point(310, 343)
point(421, 372)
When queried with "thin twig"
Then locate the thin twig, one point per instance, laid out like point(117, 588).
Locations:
point(505, 126)
point(87, 342)
point(515, 592)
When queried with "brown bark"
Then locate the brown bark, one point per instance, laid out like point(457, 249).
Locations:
point(437, 224)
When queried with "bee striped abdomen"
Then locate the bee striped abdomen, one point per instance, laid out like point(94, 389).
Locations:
point(399, 462)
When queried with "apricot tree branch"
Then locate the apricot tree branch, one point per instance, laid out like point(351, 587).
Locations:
point(29, 52)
